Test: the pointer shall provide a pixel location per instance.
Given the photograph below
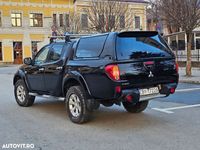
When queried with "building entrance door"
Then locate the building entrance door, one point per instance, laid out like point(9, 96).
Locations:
point(17, 52)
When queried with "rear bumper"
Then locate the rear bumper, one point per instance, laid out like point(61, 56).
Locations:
point(147, 98)
point(164, 91)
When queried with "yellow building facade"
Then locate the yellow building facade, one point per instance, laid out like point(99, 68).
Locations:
point(25, 25)
point(136, 9)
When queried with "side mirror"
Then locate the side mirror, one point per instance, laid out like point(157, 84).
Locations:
point(28, 61)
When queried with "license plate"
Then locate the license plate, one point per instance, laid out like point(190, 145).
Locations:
point(150, 91)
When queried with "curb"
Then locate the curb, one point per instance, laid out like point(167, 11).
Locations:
point(7, 66)
point(191, 81)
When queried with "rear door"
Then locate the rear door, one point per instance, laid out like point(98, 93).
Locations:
point(145, 59)
point(53, 69)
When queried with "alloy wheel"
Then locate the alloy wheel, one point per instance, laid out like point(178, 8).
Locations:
point(21, 94)
point(75, 105)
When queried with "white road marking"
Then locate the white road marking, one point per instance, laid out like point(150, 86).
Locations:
point(185, 90)
point(168, 110)
point(163, 110)
point(182, 107)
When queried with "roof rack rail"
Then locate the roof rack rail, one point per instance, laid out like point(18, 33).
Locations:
point(67, 37)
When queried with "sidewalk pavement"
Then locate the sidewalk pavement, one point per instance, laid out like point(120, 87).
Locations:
point(195, 78)
point(8, 65)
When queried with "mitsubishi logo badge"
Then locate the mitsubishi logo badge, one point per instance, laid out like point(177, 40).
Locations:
point(151, 74)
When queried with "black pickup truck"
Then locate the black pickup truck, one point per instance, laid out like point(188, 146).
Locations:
point(128, 68)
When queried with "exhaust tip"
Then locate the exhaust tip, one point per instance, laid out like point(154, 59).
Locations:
point(129, 98)
point(172, 90)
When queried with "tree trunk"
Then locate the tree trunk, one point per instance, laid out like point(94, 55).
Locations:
point(189, 59)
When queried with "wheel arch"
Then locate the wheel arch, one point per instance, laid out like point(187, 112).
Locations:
point(72, 81)
point(16, 78)
point(20, 75)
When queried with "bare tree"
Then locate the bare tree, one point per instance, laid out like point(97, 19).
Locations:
point(109, 15)
point(184, 14)
point(70, 23)
point(154, 12)
point(74, 22)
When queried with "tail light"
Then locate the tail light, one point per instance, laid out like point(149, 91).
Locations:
point(113, 72)
point(177, 67)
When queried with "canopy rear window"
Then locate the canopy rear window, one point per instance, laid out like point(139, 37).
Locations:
point(136, 45)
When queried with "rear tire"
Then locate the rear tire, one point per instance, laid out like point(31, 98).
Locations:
point(76, 105)
point(22, 94)
point(135, 108)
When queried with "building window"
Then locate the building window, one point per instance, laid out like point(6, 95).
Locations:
point(174, 45)
point(54, 20)
point(84, 21)
point(198, 43)
point(137, 22)
point(101, 20)
point(1, 56)
point(122, 22)
point(67, 20)
point(36, 20)
point(0, 20)
point(112, 20)
point(61, 20)
point(197, 34)
point(16, 19)
point(181, 44)
point(34, 48)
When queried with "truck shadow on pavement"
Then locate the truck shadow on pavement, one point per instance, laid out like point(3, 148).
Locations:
point(113, 117)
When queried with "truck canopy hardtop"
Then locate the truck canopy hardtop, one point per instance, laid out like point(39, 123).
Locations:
point(141, 44)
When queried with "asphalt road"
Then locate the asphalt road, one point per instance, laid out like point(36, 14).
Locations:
point(47, 126)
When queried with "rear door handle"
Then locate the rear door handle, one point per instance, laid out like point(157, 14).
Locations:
point(41, 69)
point(59, 68)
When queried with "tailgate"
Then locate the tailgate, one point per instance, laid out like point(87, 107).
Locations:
point(148, 73)
point(145, 59)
